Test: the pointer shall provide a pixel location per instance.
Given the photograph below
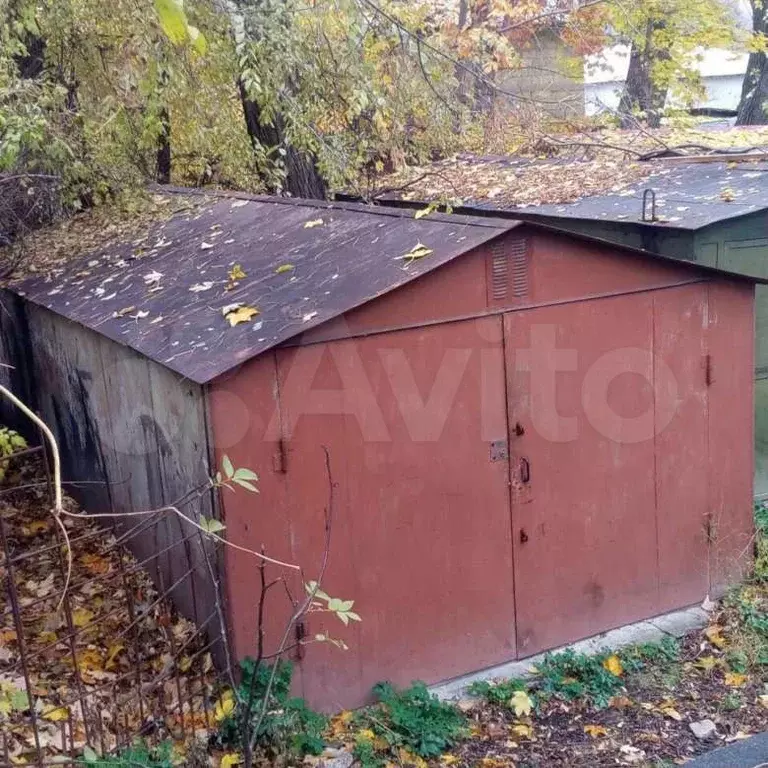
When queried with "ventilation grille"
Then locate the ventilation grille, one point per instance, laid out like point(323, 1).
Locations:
point(518, 254)
point(508, 270)
point(499, 272)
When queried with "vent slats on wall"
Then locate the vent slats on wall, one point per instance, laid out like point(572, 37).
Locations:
point(499, 272)
point(518, 254)
point(508, 269)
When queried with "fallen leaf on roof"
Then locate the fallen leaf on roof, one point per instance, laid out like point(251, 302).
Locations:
point(242, 314)
point(153, 277)
point(419, 251)
point(236, 273)
point(728, 195)
point(205, 246)
point(123, 311)
point(313, 223)
point(200, 287)
point(309, 316)
point(140, 315)
point(284, 268)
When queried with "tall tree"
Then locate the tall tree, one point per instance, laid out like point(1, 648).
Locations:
point(664, 36)
point(753, 104)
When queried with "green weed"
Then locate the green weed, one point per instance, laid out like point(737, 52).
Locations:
point(497, 693)
point(290, 726)
point(415, 719)
point(138, 755)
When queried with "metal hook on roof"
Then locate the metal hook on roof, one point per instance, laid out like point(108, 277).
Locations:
point(646, 194)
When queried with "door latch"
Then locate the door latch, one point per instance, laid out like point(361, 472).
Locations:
point(499, 450)
point(525, 471)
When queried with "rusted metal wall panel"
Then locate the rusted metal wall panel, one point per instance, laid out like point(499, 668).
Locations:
point(731, 344)
point(682, 461)
point(131, 432)
point(559, 270)
point(584, 527)
point(420, 535)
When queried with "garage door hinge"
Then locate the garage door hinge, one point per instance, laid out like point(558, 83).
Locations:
point(708, 369)
point(301, 633)
point(279, 458)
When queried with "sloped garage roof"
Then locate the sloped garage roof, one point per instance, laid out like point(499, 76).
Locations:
point(304, 262)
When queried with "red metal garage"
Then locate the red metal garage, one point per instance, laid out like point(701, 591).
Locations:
point(540, 440)
point(533, 436)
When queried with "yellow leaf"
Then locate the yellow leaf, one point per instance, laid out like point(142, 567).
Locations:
point(35, 527)
point(707, 663)
point(419, 251)
point(230, 759)
point(521, 703)
point(449, 759)
point(114, 651)
point(47, 637)
point(313, 223)
point(714, 635)
point(284, 268)
point(236, 273)
point(81, 617)
point(734, 679)
point(55, 714)
point(613, 665)
point(671, 713)
point(95, 563)
point(367, 733)
point(728, 195)
point(409, 758)
point(225, 706)
point(595, 731)
point(422, 212)
point(522, 730)
point(241, 315)
point(185, 663)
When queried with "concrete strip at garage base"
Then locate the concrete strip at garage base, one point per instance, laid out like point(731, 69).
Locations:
point(674, 624)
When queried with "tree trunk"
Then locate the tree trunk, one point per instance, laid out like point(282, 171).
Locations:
point(640, 93)
point(163, 171)
point(753, 104)
point(302, 177)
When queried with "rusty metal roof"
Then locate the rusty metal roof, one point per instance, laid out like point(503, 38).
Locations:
point(305, 262)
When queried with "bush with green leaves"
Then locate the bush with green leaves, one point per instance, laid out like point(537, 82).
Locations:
point(570, 675)
point(289, 725)
point(415, 719)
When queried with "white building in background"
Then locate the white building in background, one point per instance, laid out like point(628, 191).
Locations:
point(722, 73)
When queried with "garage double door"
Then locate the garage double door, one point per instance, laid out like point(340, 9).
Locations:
point(504, 484)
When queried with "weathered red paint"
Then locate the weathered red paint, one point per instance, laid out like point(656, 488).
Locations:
point(457, 561)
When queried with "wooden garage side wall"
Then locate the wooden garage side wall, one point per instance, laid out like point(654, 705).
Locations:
point(129, 427)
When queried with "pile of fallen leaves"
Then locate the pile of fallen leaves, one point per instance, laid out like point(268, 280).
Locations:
point(47, 251)
point(560, 168)
point(102, 668)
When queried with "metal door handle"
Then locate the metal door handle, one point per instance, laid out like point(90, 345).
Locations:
point(525, 471)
